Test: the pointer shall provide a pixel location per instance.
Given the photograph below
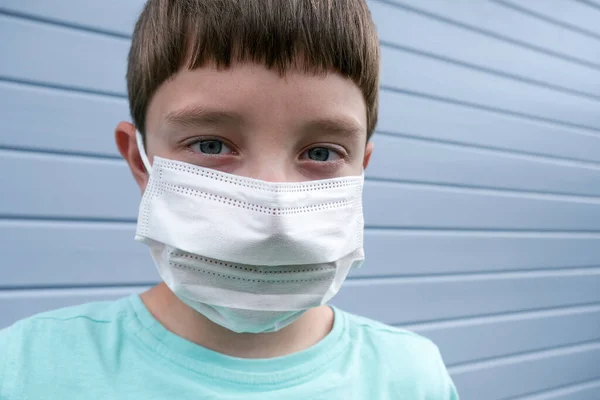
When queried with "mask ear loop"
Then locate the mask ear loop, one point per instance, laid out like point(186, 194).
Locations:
point(141, 149)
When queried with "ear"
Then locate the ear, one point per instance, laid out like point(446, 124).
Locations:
point(368, 152)
point(127, 145)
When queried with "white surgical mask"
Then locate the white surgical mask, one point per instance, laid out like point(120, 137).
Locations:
point(250, 255)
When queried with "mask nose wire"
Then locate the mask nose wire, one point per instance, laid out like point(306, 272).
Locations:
point(140, 144)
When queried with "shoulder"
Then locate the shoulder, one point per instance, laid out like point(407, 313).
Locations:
point(89, 314)
point(411, 359)
point(56, 338)
point(66, 322)
point(391, 340)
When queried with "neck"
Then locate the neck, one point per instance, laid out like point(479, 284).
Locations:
point(186, 322)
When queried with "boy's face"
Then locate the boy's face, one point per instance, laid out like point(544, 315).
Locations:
point(249, 121)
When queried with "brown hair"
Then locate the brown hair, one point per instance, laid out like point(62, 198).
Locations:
point(318, 35)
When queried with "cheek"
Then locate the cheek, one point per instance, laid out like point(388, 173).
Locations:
point(320, 170)
point(159, 147)
point(338, 169)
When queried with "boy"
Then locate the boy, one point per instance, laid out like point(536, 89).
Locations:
point(250, 136)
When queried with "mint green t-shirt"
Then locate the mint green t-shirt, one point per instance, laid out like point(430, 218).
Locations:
point(117, 350)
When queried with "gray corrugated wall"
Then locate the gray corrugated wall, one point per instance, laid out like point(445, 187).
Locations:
point(482, 200)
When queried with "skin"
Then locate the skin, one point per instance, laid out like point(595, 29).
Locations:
point(250, 121)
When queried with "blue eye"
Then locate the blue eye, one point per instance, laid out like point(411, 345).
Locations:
point(318, 154)
point(211, 147)
point(322, 154)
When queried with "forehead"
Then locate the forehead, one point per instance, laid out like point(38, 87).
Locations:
point(259, 96)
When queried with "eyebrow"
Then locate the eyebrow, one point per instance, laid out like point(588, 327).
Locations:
point(337, 126)
point(192, 116)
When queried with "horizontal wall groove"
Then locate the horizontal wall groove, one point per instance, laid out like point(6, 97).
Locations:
point(488, 190)
point(53, 218)
point(490, 71)
point(549, 20)
point(526, 356)
point(58, 153)
point(478, 106)
point(561, 390)
point(63, 24)
point(66, 88)
point(58, 223)
point(520, 273)
point(486, 360)
point(471, 231)
point(489, 233)
point(481, 316)
point(491, 34)
point(71, 291)
point(479, 276)
point(590, 3)
point(523, 155)
point(10, 289)
point(506, 317)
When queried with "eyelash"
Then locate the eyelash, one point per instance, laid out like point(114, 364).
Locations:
point(340, 151)
point(197, 141)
